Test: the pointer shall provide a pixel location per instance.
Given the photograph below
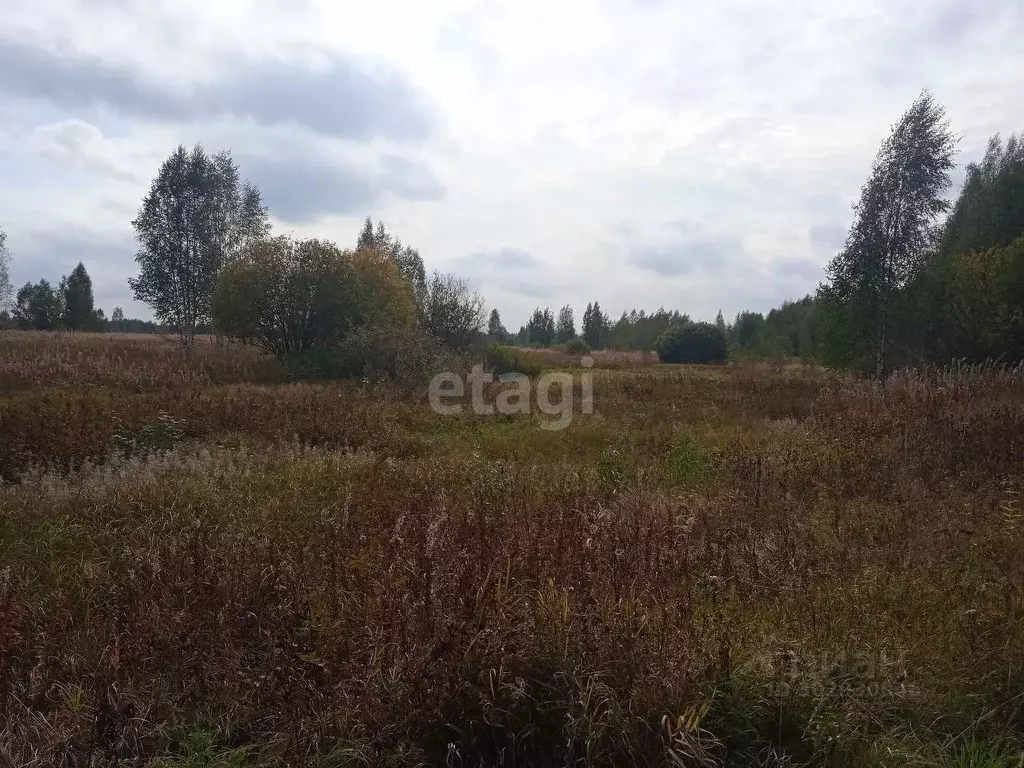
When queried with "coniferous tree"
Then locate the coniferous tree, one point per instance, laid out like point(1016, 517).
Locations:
point(989, 212)
point(407, 259)
point(541, 327)
point(595, 326)
point(565, 328)
point(495, 330)
point(746, 328)
point(76, 291)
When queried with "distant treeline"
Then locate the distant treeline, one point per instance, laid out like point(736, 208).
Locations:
point(68, 306)
point(906, 289)
point(911, 284)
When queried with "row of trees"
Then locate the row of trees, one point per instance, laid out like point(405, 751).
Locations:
point(68, 306)
point(908, 287)
point(207, 257)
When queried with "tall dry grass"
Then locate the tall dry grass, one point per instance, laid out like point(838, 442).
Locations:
point(722, 566)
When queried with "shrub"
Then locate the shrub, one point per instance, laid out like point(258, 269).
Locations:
point(452, 312)
point(374, 353)
point(692, 343)
point(577, 346)
point(290, 296)
point(499, 360)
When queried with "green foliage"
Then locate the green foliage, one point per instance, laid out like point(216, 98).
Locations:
point(791, 330)
point(407, 259)
point(402, 356)
point(641, 331)
point(197, 216)
point(199, 748)
point(290, 296)
point(565, 328)
point(989, 212)
point(746, 328)
point(689, 464)
point(595, 326)
point(970, 307)
point(692, 343)
point(496, 331)
point(160, 435)
point(577, 346)
point(540, 328)
point(79, 313)
point(500, 360)
point(38, 307)
point(980, 754)
point(891, 232)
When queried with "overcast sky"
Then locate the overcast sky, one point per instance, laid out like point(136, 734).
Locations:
point(700, 156)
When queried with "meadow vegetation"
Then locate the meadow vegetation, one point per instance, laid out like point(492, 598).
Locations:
point(208, 561)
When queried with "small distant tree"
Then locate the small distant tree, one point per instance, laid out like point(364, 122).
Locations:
point(197, 216)
point(290, 296)
point(495, 330)
point(565, 329)
point(117, 319)
point(452, 312)
point(692, 343)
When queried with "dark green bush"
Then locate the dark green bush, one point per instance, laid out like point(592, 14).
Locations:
point(376, 353)
point(692, 343)
point(577, 346)
point(499, 360)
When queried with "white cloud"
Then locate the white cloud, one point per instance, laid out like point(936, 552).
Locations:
point(579, 133)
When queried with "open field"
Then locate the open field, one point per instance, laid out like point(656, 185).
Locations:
point(204, 564)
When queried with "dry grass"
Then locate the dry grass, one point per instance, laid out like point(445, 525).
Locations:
point(723, 566)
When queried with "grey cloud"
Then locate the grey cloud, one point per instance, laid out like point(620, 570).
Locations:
point(530, 288)
point(341, 100)
point(299, 189)
point(509, 270)
point(808, 270)
point(500, 259)
point(709, 255)
point(409, 179)
point(826, 239)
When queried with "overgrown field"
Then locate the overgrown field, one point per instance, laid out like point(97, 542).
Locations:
point(205, 564)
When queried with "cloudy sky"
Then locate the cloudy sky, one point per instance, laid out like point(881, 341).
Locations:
point(638, 152)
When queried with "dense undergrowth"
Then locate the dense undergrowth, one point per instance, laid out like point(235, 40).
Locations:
point(204, 564)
